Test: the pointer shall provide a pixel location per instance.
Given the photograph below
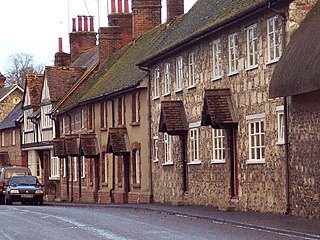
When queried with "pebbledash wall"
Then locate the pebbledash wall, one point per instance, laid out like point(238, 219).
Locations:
point(261, 183)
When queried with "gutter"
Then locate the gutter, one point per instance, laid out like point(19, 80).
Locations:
point(285, 116)
point(149, 131)
point(205, 33)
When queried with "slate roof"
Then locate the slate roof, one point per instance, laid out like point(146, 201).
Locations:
point(298, 72)
point(10, 120)
point(173, 118)
point(218, 111)
point(34, 84)
point(204, 17)
point(4, 91)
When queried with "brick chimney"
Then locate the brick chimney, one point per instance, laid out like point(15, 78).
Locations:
point(110, 41)
point(146, 15)
point(83, 38)
point(61, 58)
point(175, 8)
point(2, 79)
point(122, 19)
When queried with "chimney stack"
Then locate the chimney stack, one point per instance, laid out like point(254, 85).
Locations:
point(61, 58)
point(175, 8)
point(81, 39)
point(110, 41)
point(121, 19)
point(146, 15)
point(2, 80)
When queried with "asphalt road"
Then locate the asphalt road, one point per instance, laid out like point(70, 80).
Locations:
point(20, 222)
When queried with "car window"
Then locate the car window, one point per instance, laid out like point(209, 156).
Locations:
point(14, 172)
point(26, 180)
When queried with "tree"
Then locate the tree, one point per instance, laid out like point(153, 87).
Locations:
point(19, 65)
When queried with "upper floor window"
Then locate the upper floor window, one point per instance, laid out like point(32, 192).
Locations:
point(252, 46)
point(233, 53)
point(2, 139)
point(194, 145)
point(104, 114)
point(136, 166)
point(280, 120)
point(121, 110)
point(63, 125)
point(13, 137)
point(156, 82)
point(90, 117)
point(273, 40)
point(156, 149)
point(135, 107)
point(28, 125)
point(45, 118)
point(83, 117)
point(167, 148)
point(167, 81)
point(179, 74)
point(218, 148)
point(216, 57)
point(256, 138)
point(191, 70)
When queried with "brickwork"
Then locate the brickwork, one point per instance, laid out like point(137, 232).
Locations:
point(175, 8)
point(13, 149)
point(304, 128)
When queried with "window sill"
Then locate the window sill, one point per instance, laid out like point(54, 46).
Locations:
point(280, 143)
point(135, 124)
point(167, 164)
point(254, 161)
point(194, 163)
point(166, 94)
point(54, 178)
point(216, 78)
point(155, 98)
point(28, 131)
point(252, 67)
point(272, 61)
point(155, 161)
point(178, 90)
point(47, 128)
point(90, 130)
point(218, 161)
point(104, 129)
point(191, 87)
point(136, 185)
point(233, 74)
point(104, 184)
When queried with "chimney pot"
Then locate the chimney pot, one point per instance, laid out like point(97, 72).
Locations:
point(74, 28)
point(91, 24)
point(126, 6)
point(120, 6)
point(85, 20)
point(79, 23)
point(60, 44)
point(113, 6)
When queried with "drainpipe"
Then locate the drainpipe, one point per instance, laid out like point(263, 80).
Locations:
point(37, 129)
point(285, 116)
point(149, 130)
point(113, 156)
point(71, 170)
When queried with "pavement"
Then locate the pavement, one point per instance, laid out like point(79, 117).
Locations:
point(283, 224)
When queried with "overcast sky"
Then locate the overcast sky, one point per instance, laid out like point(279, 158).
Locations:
point(34, 26)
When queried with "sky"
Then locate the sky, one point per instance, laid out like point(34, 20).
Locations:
point(34, 26)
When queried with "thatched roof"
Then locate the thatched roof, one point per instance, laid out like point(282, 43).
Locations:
point(298, 69)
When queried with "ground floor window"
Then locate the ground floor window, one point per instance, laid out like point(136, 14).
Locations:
point(218, 148)
point(194, 142)
point(55, 166)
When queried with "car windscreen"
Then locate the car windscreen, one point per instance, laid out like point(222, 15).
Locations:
point(13, 172)
point(23, 180)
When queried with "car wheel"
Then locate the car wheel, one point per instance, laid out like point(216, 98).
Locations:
point(8, 201)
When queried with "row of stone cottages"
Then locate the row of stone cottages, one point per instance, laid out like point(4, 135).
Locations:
point(176, 112)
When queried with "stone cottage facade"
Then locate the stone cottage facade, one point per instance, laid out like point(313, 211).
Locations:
point(217, 137)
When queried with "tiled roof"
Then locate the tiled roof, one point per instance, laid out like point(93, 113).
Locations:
point(87, 58)
point(34, 84)
point(118, 141)
point(61, 79)
point(5, 90)
point(298, 72)
point(89, 145)
point(173, 119)
point(218, 110)
point(203, 17)
point(10, 120)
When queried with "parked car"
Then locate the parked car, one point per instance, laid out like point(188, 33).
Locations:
point(6, 173)
point(24, 189)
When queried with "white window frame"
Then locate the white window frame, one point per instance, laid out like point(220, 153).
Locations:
point(218, 148)
point(64, 167)
point(13, 137)
point(167, 80)
point(233, 49)
point(83, 118)
point(137, 107)
point(45, 118)
point(256, 138)
point(156, 148)
point(216, 60)
point(75, 172)
point(54, 166)
point(83, 169)
point(123, 105)
point(156, 83)
point(167, 141)
point(28, 125)
point(2, 139)
point(106, 168)
point(252, 47)
point(179, 74)
point(280, 124)
point(194, 142)
point(137, 156)
point(273, 40)
point(191, 70)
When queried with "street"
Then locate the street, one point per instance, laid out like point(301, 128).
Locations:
point(99, 222)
